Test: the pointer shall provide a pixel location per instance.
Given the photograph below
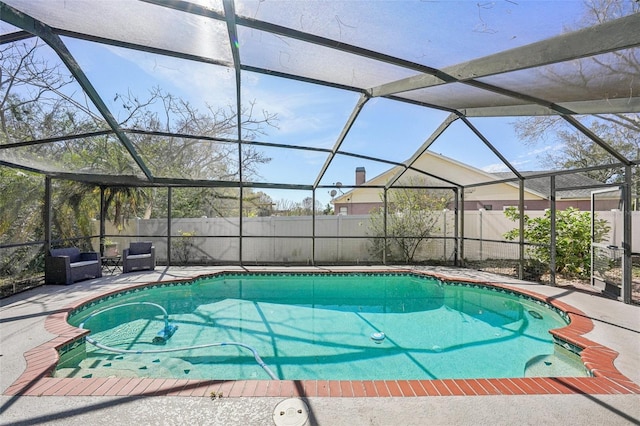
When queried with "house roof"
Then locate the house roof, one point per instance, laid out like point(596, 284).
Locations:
point(580, 184)
point(454, 173)
point(570, 185)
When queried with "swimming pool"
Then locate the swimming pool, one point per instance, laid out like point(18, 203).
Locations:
point(321, 326)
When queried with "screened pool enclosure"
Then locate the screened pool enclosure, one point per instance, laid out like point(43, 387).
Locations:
point(320, 133)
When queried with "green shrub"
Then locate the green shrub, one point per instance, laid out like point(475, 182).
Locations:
point(573, 239)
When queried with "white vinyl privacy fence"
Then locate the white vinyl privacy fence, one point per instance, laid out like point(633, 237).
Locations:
point(338, 239)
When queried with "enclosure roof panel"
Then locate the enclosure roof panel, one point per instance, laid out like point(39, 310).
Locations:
point(469, 59)
point(377, 45)
point(436, 34)
point(134, 22)
point(308, 60)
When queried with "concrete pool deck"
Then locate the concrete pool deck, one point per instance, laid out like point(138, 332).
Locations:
point(31, 329)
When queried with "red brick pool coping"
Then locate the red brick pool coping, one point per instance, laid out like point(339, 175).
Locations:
point(37, 378)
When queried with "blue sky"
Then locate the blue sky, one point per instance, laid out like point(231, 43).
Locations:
point(313, 116)
point(308, 115)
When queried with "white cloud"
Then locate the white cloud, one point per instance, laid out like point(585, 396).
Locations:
point(528, 159)
point(495, 168)
point(541, 150)
point(500, 167)
point(195, 81)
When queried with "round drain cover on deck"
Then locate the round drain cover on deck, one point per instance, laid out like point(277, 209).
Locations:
point(291, 412)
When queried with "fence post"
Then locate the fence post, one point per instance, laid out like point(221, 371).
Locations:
point(459, 213)
point(103, 215)
point(313, 227)
point(552, 248)
point(626, 238)
point(444, 227)
point(480, 210)
point(46, 214)
point(521, 230)
point(384, 227)
point(169, 193)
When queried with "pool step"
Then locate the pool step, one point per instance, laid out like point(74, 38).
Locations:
point(125, 367)
point(561, 363)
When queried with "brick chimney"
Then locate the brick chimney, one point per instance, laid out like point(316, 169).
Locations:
point(361, 176)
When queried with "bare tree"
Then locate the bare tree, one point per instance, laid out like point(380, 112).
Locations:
point(203, 159)
point(305, 207)
point(36, 96)
point(413, 218)
point(620, 131)
point(179, 140)
point(39, 99)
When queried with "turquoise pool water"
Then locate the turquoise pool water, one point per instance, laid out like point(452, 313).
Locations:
point(318, 326)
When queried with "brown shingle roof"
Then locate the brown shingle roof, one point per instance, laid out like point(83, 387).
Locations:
point(574, 180)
